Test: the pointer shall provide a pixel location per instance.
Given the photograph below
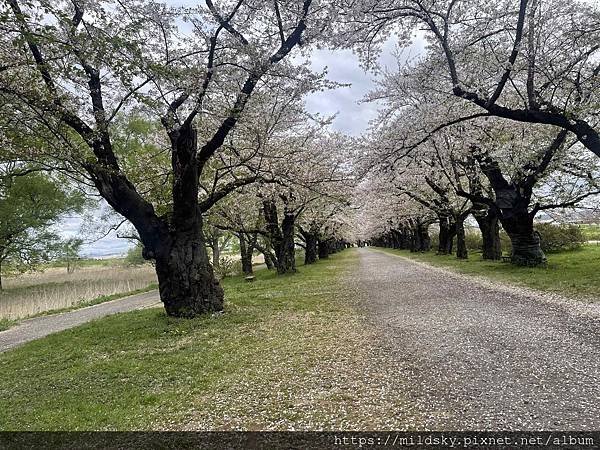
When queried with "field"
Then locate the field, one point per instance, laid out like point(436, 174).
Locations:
point(54, 289)
point(257, 366)
point(573, 273)
point(591, 232)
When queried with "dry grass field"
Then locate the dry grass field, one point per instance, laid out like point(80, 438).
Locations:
point(35, 293)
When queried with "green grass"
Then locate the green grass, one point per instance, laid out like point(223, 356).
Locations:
point(591, 232)
point(143, 370)
point(5, 324)
point(571, 273)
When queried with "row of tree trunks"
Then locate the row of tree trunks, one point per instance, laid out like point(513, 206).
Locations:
point(516, 221)
point(413, 236)
point(416, 238)
point(327, 247)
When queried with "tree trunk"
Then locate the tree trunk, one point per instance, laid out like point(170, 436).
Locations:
point(447, 233)
point(270, 261)
point(186, 280)
point(415, 239)
point(490, 234)
point(323, 249)
point(216, 252)
point(525, 241)
point(281, 238)
point(423, 230)
point(285, 251)
point(187, 283)
point(267, 251)
point(461, 241)
point(310, 256)
point(246, 250)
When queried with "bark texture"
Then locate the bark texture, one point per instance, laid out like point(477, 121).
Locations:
point(281, 236)
point(489, 225)
point(324, 249)
point(246, 251)
point(312, 251)
point(187, 283)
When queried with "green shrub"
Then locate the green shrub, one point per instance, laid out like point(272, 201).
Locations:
point(473, 239)
point(591, 232)
point(556, 238)
point(134, 256)
point(227, 267)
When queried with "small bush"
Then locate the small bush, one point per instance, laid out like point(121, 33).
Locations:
point(556, 238)
point(134, 256)
point(591, 232)
point(227, 267)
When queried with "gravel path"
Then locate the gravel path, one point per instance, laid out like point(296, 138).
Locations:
point(480, 356)
point(39, 327)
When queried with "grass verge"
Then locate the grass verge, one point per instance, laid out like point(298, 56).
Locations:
point(289, 352)
point(591, 232)
point(5, 324)
point(573, 273)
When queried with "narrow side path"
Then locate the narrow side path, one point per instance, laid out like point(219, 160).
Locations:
point(479, 357)
point(36, 328)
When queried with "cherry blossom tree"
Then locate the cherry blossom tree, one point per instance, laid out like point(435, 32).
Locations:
point(75, 67)
point(524, 60)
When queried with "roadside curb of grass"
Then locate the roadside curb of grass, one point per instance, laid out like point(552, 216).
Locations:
point(579, 305)
point(6, 324)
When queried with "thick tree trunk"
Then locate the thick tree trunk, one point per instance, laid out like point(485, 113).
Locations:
point(267, 252)
point(461, 241)
point(281, 238)
point(396, 238)
point(490, 234)
point(525, 241)
point(311, 254)
point(285, 250)
point(187, 283)
point(323, 249)
point(447, 233)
